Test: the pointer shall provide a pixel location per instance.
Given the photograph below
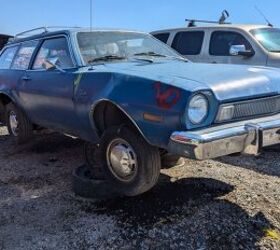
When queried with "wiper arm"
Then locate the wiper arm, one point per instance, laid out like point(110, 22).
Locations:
point(107, 58)
point(149, 53)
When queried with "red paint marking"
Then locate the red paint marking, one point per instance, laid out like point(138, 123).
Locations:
point(166, 98)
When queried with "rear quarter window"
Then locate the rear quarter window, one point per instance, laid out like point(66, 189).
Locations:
point(162, 37)
point(188, 42)
point(7, 57)
point(24, 55)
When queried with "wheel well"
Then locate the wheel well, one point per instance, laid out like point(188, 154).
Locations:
point(107, 114)
point(4, 100)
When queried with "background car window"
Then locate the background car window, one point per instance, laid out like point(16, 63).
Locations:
point(221, 42)
point(24, 55)
point(54, 50)
point(7, 57)
point(3, 40)
point(162, 37)
point(188, 43)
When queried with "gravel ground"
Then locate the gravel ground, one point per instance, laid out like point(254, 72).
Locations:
point(229, 203)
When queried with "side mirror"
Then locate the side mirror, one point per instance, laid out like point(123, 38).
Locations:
point(51, 64)
point(240, 50)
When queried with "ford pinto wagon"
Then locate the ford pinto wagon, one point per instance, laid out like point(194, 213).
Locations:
point(135, 98)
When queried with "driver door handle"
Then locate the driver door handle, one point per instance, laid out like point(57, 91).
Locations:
point(26, 78)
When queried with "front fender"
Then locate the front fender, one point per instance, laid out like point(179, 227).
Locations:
point(155, 108)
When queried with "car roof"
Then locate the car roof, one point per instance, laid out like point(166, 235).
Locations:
point(66, 31)
point(246, 27)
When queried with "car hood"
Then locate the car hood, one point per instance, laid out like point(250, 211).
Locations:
point(227, 82)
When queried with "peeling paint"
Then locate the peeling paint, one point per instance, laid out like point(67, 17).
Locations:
point(166, 98)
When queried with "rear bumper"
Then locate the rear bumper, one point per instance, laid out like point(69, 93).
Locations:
point(248, 137)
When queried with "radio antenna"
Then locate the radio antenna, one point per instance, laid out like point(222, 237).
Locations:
point(90, 14)
point(263, 15)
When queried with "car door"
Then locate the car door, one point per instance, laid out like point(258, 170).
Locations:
point(189, 44)
point(220, 44)
point(47, 93)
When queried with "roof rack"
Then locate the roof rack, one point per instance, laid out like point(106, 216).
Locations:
point(44, 29)
point(224, 16)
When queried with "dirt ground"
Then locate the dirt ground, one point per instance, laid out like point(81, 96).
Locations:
point(229, 203)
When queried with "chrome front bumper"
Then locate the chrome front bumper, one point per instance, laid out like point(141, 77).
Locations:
point(248, 137)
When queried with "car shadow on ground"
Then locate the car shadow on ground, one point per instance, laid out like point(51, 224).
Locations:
point(190, 213)
point(188, 209)
point(268, 162)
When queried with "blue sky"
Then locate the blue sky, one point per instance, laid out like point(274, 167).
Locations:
point(146, 15)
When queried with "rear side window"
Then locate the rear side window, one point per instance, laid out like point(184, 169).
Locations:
point(24, 55)
point(188, 42)
point(221, 41)
point(7, 57)
point(55, 50)
point(162, 37)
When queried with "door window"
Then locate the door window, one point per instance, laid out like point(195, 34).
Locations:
point(7, 57)
point(23, 57)
point(188, 42)
point(221, 41)
point(162, 37)
point(56, 51)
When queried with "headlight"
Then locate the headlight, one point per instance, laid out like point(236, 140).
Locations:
point(198, 109)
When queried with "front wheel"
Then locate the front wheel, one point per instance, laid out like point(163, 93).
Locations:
point(18, 124)
point(130, 162)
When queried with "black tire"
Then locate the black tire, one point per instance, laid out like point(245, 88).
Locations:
point(146, 169)
point(25, 129)
point(170, 161)
point(84, 185)
point(93, 161)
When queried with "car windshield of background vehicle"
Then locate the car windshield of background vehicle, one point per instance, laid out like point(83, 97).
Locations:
point(269, 38)
point(120, 45)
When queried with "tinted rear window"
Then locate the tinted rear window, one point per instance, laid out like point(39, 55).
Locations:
point(188, 42)
point(162, 37)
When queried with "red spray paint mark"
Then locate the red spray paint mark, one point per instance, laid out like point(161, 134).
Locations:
point(166, 98)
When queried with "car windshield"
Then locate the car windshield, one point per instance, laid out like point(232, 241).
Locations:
point(269, 38)
point(115, 45)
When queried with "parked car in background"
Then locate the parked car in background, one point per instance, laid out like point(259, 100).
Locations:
point(226, 43)
point(3, 40)
point(135, 98)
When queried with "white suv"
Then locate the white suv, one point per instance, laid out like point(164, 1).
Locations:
point(226, 43)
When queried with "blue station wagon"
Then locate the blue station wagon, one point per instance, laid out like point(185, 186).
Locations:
point(136, 99)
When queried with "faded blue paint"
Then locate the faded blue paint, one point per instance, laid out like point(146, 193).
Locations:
point(64, 101)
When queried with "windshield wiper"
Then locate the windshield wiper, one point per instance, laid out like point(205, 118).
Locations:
point(149, 53)
point(275, 51)
point(107, 58)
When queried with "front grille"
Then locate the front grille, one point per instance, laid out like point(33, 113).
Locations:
point(257, 107)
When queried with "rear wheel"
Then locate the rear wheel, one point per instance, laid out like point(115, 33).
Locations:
point(132, 165)
point(18, 124)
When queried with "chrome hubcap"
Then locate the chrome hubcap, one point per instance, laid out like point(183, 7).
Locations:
point(13, 123)
point(121, 160)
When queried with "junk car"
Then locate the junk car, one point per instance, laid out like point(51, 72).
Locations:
point(135, 98)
